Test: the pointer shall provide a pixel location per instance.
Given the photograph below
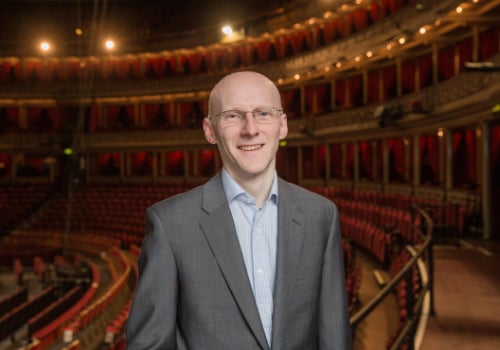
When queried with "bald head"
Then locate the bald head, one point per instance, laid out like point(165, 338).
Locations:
point(243, 89)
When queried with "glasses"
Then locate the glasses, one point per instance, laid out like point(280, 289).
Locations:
point(261, 115)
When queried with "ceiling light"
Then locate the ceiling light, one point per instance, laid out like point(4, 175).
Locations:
point(422, 30)
point(459, 9)
point(296, 77)
point(402, 40)
point(45, 46)
point(369, 54)
point(357, 58)
point(109, 44)
point(78, 31)
point(227, 30)
point(338, 65)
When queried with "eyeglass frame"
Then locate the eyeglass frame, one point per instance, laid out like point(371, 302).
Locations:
point(243, 114)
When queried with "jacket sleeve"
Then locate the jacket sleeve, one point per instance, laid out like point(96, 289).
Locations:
point(152, 320)
point(334, 325)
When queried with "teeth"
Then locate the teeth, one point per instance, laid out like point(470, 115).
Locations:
point(250, 148)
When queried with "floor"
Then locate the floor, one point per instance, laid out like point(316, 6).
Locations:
point(467, 298)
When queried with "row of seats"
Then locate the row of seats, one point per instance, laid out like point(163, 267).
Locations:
point(384, 217)
point(116, 210)
point(18, 316)
point(54, 310)
point(369, 237)
point(18, 201)
point(13, 300)
point(443, 212)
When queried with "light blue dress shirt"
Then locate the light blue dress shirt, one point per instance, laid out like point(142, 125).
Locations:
point(257, 231)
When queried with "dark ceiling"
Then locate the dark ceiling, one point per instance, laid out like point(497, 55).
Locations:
point(139, 25)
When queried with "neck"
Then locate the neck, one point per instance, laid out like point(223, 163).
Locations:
point(258, 187)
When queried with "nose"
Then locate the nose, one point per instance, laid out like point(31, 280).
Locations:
point(249, 125)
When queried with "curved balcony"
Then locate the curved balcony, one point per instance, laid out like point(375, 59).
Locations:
point(310, 64)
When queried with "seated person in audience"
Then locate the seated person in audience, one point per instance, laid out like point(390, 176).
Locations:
point(247, 260)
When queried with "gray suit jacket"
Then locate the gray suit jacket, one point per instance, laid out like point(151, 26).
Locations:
point(194, 292)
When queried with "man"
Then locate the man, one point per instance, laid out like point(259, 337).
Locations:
point(246, 261)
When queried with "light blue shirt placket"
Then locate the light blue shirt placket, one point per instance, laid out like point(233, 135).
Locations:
point(263, 273)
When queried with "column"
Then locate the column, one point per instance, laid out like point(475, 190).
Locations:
point(407, 154)
point(416, 160)
point(186, 166)
point(435, 75)
point(299, 165)
point(162, 157)
point(196, 156)
point(355, 175)
point(302, 100)
point(365, 86)
point(475, 43)
point(344, 160)
point(399, 85)
point(125, 164)
point(485, 179)
point(154, 165)
point(385, 164)
point(328, 173)
point(448, 151)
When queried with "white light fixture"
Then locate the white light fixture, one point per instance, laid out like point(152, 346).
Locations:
point(109, 44)
point(45, 46)
point(227, 30)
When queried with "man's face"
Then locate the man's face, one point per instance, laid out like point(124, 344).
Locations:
point(247, 148)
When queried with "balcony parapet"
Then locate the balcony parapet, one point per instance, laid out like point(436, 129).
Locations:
point(456, 101)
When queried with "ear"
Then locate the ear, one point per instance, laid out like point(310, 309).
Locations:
point(283, 127)
point(208, 129)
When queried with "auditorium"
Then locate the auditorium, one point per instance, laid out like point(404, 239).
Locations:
point(393, 114)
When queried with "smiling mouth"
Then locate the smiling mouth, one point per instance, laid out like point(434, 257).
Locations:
point(250, 148)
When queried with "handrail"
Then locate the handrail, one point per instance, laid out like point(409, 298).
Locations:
point(404, 272)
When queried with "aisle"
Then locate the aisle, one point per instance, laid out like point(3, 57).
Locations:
point(374, 332)
point(467, 299)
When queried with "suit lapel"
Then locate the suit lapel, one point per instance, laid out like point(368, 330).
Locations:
point(220, 233)
point(290, 236)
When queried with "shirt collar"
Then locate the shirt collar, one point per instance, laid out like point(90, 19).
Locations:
point(232, 189)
